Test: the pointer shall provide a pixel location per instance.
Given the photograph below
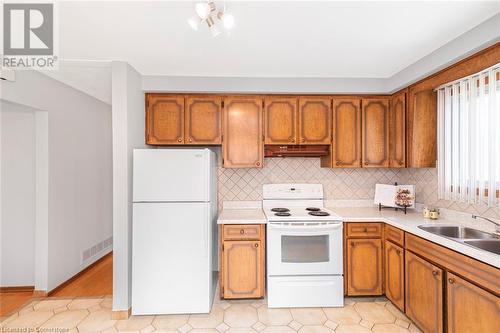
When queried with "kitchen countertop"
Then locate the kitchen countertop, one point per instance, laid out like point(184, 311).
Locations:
point(398, 219)
point(242, 216)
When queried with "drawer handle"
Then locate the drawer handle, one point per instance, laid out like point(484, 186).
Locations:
point(256, 245)
point(451, 281)
point(435, 273)
point(242, 231)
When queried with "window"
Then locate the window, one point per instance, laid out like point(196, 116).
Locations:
point(469, 139)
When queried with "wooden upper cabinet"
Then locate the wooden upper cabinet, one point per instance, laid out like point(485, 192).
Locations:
point(346, 145)
point(470, 308)
point(280, 120)
point(421, 133)
point(243, 269)
point(203, 120)
point(164, 119)
point(394, 274)
point(375, 132)
point(397, 131)
point(364, 267)
point(242, 145)
point(424, 293)
point(315, 121)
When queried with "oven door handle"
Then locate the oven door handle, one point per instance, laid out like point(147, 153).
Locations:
point(310, 227)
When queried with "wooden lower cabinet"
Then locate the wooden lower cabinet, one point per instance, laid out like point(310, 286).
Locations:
point(424, 293)
point(364, 267)
point(394, 274)
point(242, 271)
point(470, 308)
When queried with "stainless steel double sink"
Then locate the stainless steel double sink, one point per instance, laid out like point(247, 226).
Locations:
point(476, 238)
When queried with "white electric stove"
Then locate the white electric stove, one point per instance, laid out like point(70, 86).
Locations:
point(304, 247)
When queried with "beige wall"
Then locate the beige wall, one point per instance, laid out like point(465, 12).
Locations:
point(246, 184)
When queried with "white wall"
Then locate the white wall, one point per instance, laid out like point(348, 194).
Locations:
point(79, 171)
point(128, 133)
point(17, 194)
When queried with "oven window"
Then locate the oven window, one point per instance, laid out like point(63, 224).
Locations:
point(299, 249)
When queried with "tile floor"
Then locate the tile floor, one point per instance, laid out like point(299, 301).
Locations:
point(94, 315)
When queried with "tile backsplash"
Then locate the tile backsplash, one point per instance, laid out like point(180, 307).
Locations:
point(246, 184)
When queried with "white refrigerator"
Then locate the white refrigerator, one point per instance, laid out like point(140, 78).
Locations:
point(174, 234)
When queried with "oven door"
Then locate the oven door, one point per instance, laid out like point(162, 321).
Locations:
point(304, 249)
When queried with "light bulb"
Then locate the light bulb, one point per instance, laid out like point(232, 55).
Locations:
point(202, 9)
point(194, 22)
point(228, 21)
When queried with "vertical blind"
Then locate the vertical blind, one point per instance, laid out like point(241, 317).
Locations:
point(469, 139)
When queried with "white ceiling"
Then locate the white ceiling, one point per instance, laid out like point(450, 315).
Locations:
point(270, 39)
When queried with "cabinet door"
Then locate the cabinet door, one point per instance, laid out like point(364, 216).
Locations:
point(397, 131)
point(164, 119)
point(203, 120)
point(375, 132)
point(280, 120)
point(421, 151)
point(242, 146)
point(346, 145)
point(364, 267)
point(394, 274)
point(424, 293)
point(315, 121)
point(470, 308)
point(243, 269)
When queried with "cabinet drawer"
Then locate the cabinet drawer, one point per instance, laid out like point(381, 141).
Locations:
point(241, 231)
point(395, 235)
point(363, 230)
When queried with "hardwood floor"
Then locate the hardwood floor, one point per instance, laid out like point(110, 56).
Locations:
point(95, 281)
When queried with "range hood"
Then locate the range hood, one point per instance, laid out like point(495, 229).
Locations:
point(296, 151)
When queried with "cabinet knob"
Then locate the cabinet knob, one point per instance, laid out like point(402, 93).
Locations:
point(337, 162)
point(256, 245)
point(352, 244)
point(303, 140)
point(366, 163)
point(293, 140)
point(398, 251)
point(257, 164)
point(435, 273)
point(365, 229)
point(179, 140)
point(242, 231)
point(451, 281)
point(190, 140)
point(401, 163)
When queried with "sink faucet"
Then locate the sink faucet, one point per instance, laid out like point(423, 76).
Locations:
point(497, 224)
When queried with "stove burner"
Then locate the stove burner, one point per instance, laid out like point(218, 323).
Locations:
point(282, 214)
point(280, 210)
point(318, 213)
point(313, 209)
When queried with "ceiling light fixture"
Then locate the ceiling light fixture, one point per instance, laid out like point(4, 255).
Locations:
point(209, 13)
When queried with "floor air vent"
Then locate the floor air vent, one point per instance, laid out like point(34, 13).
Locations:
point(96, 250)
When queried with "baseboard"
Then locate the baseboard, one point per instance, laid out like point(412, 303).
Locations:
point(77, 275)
point(17, 289)
point(121, 315)
point(40, 293)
